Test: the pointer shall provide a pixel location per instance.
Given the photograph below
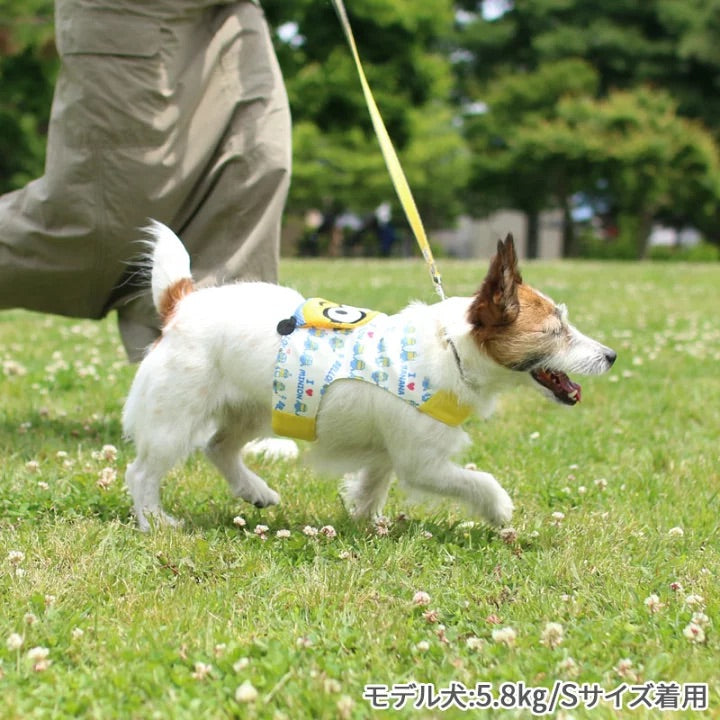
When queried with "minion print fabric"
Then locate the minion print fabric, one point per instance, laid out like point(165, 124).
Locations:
point(324, 342)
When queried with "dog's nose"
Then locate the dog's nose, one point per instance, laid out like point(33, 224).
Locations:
point(610, 356)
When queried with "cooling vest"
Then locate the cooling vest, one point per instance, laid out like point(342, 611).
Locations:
point(324, 342)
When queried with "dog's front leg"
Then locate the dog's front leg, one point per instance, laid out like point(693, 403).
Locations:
point(480, 490)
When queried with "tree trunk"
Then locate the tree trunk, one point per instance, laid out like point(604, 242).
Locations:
point(532, 245)
point(569, 239)
point(643, 234)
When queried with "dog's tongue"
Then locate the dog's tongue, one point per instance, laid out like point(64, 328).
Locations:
point(560, 385)
point(570, 388)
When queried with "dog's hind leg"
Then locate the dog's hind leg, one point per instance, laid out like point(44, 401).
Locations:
point(223, 450)
point(143, 478)
point(365, 492)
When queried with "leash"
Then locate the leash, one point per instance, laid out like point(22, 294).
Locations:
point(402, 188)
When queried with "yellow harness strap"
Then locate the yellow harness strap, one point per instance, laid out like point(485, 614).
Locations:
point(391, 159)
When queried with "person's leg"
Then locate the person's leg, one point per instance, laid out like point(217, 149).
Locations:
point(152, 117)
point(230, 221)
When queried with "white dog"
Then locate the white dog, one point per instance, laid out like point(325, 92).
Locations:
point(213, 381)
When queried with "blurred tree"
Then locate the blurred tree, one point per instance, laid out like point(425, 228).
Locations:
point(28, 65)
point(509, 173)
point(523, 57)
point(657, 163)
point(336, 158)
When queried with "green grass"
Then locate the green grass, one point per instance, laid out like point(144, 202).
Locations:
point(319, 618)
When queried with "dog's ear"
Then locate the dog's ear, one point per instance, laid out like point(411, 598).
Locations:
point(496, 302)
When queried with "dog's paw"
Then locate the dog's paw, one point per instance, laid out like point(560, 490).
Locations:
point(265, 499)
point(500, 511)
point(490, 499)
point(148, 521)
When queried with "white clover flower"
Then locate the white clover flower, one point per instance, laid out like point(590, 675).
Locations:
point(50, 601)
point(694, 633)
point(32, 466)
point(332, 686)
point(61, 454)
point(474, 643)
point(676, 586)
point(421, 598)
point(552, 635)
point(693, 600)
point(15, 557)
point(676, 532)
point(261, 529)
point(29, 619)
point(328, 531)
point(423, 646)
point(282, 534)
point(624, 669)
point(701, 619)
point(303, 643)
point(504, 636)
point(601, 483)
point(14, 642)
point(109, 453)
point(239, 521)
point(240, 664)
point(534, 435)
point(310, 531)
point(345, 555)
point(508, 535)
point(42, 665)
point(653, 604)
point(202, 670)
point(426, 534)
point(106, 477)
point(345, 707)
point(77, 633)
point(11, 367)
point(558, 517)
point(43, 485)
point(568, 667)
point(432, 616)
point(38, 653)
point(219, 649)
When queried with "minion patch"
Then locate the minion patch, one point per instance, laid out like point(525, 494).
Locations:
point(320, 313)
point(323, 342)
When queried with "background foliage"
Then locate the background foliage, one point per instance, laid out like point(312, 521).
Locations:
point(529, 104)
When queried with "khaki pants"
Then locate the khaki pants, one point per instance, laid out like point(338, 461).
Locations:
point(173, 110)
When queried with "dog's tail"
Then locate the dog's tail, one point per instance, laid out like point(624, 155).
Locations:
point(170, 269)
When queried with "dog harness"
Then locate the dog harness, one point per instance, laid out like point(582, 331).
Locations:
point(323, 342)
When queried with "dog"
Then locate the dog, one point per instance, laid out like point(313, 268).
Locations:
point(211, 379)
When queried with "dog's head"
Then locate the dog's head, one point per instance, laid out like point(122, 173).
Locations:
point(523, 330)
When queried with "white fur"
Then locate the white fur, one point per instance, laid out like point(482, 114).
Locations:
point(169, 259)
point(208, 384)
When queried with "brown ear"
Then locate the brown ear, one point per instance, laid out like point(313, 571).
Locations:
point(496, 302)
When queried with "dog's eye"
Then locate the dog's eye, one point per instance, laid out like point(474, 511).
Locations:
point(343, 314)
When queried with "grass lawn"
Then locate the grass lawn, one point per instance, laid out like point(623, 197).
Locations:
point(617, 541)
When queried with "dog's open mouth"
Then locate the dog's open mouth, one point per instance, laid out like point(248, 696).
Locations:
point(559, 384)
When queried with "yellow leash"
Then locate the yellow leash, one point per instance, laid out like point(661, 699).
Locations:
point(391, 159)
